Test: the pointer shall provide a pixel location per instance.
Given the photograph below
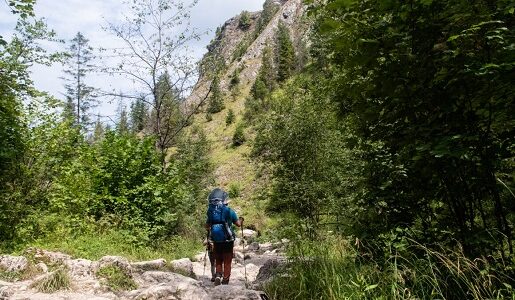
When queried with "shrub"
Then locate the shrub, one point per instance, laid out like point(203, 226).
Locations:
point(234, 190)
point(244, 22)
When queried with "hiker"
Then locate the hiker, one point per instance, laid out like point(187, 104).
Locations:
point(220, 218)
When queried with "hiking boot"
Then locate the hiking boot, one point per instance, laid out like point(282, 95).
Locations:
point(218, 279)
point(225, 281)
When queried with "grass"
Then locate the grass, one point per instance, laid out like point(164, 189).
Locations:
point(56, 281)
point(95, 245)
point(116, 278)
point(335, 270)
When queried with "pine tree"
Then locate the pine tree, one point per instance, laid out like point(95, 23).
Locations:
point(80, 97)
point(138, 115)
point(229, 119)
point(239, 136)
point(285, 53)
point(122, 127)
point(216, 100)
point(265, 81)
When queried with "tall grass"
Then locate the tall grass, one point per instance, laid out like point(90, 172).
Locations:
point(336, 270)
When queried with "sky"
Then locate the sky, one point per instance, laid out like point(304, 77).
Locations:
point(67, 17)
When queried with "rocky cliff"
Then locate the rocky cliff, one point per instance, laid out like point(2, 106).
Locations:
point(231, 37)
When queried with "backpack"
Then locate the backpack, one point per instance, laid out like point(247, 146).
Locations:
point(217, 215)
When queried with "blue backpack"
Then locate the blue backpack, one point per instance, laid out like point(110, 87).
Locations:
point(219, 216)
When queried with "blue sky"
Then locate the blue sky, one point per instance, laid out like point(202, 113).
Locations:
point(67, 17)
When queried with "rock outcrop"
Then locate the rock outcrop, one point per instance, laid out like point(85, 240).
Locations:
point(231, 36)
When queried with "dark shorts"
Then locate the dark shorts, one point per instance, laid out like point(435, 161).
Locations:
point(225, 247)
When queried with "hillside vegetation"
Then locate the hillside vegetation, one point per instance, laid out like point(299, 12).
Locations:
point(375, 137)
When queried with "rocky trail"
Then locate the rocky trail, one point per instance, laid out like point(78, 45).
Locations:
point(156, 279)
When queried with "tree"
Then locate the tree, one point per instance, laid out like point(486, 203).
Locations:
point(80, 97)
point(155, 34)
point(122, 127)
point(229, 119)
point(285, 53)
point(239, 135)
point(138, 115)
point(215, 103)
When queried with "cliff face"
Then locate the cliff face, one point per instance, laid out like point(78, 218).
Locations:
point(242, 48)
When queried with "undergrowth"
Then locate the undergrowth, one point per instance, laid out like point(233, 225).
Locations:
point(95, 245)
point(56, 281)
point(337, 270)
point(116, 278)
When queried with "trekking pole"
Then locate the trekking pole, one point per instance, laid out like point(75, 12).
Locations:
point(205, 254)
point(244, 264)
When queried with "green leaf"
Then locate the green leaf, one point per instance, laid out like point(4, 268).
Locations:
point(371, 287)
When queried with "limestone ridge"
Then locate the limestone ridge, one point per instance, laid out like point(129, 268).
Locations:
point(231, 36)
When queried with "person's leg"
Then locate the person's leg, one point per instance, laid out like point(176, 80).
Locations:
point(219, 257)
point(212, 263)
point(227, 259)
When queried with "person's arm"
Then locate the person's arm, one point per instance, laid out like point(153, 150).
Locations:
point(237, 221)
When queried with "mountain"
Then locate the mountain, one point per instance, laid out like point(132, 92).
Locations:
point(238, 45)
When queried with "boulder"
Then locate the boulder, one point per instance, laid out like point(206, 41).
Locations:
point(267, 271)
point(80, 268)
point(13, 263)
point(48, 256)
point(183, 265)
point(253, 246)
point(117, 261)
point(166, 285)
point(156, 264)
point(248, 233)
point(42, 267)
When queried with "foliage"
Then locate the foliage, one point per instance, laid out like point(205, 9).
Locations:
point(229, 119)
point(56, 281)
point(335, 270)
point(285, 53)
point(116, 278)
point(238, 137)
point(215, 103)
point(138, 115)
point(234, 190)
point(427, 87)
point(244, 22)
point(307, 154)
